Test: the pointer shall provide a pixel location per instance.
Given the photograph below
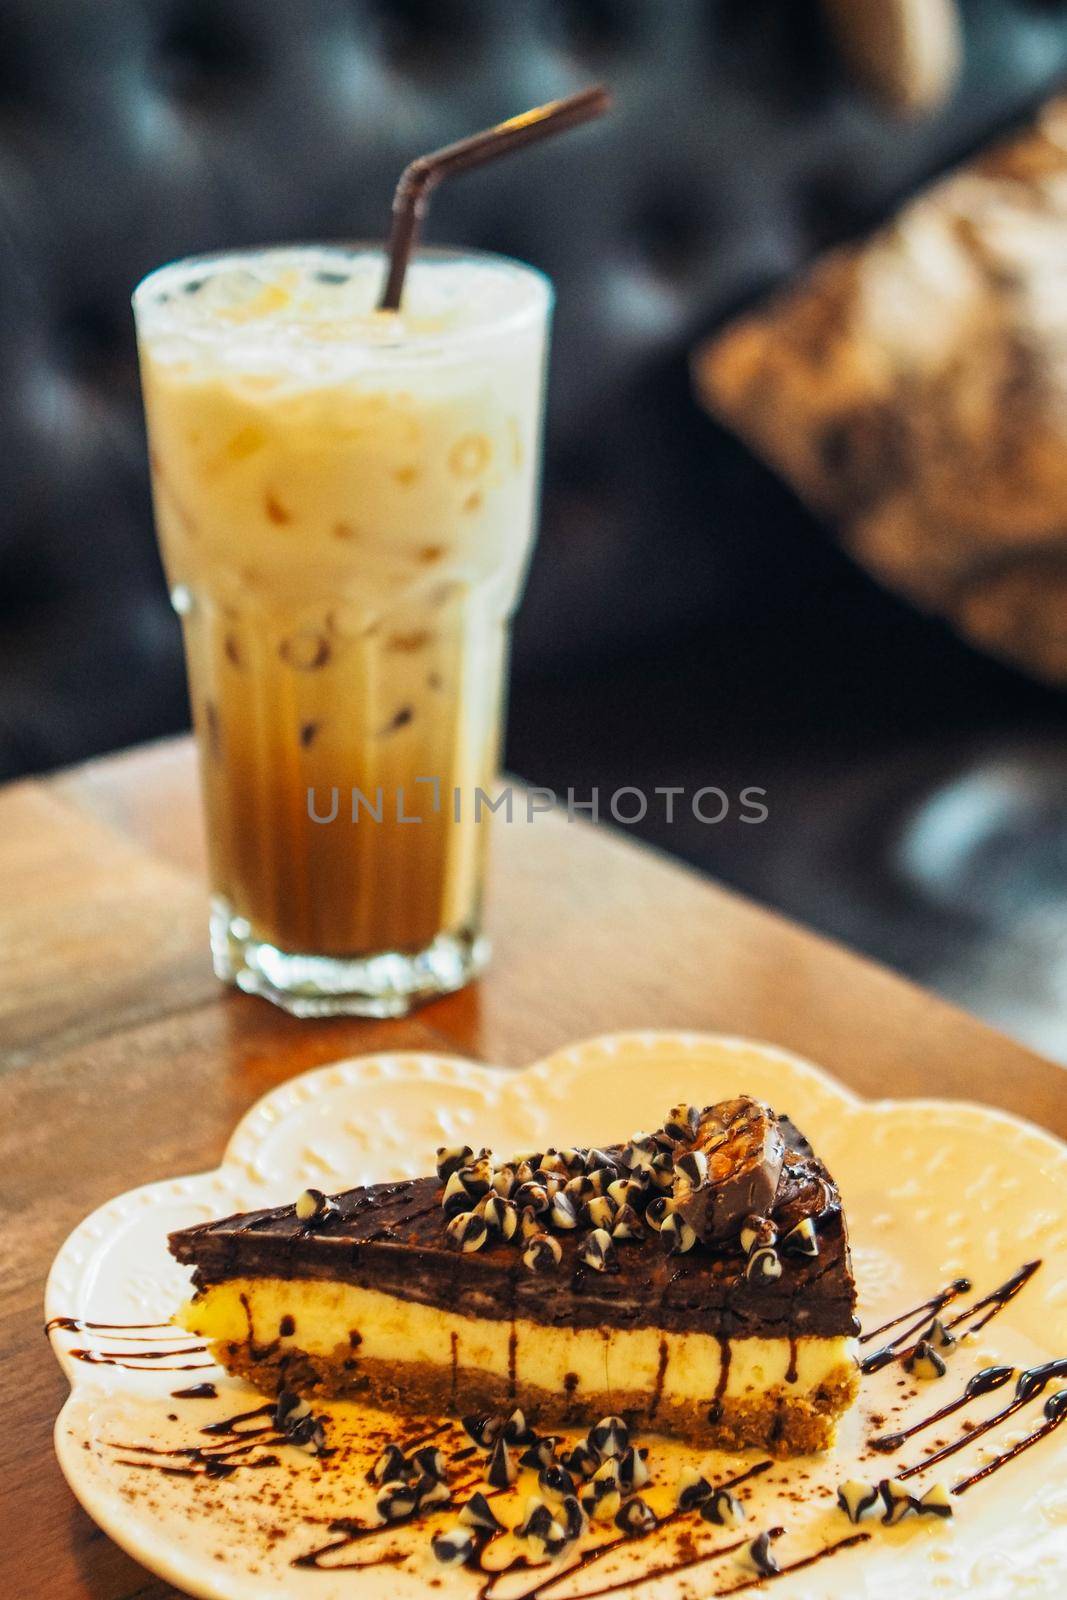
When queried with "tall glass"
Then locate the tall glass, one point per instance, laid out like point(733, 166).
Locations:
point(346, 504)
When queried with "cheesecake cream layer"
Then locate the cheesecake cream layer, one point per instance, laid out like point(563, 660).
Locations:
point(327, 1320)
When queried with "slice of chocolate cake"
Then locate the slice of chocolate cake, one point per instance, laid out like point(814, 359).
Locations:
point(696, 1280)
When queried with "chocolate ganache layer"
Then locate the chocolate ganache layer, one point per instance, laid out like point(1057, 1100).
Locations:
point(392, 1237)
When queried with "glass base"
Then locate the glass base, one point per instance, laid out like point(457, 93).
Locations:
point(387, 985)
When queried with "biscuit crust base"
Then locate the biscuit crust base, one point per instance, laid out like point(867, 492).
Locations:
point(778, 1421)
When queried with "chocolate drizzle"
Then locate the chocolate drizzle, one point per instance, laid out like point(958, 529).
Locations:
point(196, 1391)
point(791, 1370)
point(133, 1362)
point(136, 1330)
point(661, 1373)
point(991, 1304)
point(996, 1301)
point(793, 1566)
point(928, 1308)
point(238, 1449)
point(1029, 1384)
point(131, 1333)
point(1055, 1410)
point(715, 1409)
point(983, 1382)
point(666, 1570)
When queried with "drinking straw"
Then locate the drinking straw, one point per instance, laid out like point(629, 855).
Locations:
point(421, 177)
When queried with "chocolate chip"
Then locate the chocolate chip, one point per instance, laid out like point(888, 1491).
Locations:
point(478, 1513)
point(802, 1240)
point(722, 1509)
point(693, 1167)
point(635, 1517)
point(555, 1480)
point(453, 1548)
point(609, 1439)
point(542, 1253)
point(757, 1233)
point(450, 1158)
point(597, 1212)
point(504, 1181)
point(924, 1362)
point(581, 1460)
point(693, 1489)
point(938, 1337)
point(500, 1469)
point(540, 1454)
point(430, 1461)
point(571, 1518)
point(602, 1495)
point(483, 1428)
point(637, 1155)
point(633, 1469)
point(763, 1266)
point(533, 1197)
point(457, 1197)
point(682, 1121)
point(627, 1224)
point(517, 1430)
point(430, 1491)
point(936, 1502)
point(392, 1466)
point(762, 1556)
point(467, 1231)
point(552, 1161)
point(579, 1188)
point(676, 1236)
point(478, 1175)
point(530, 1224)
point(562, 1212)
point(597, 1251)
point(897, 1499)
point(312, 1206)
point(501, 1217)
point(856, 1498)
point(538, 1521)
point(396, 1500)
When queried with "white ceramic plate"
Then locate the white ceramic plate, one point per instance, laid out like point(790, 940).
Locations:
point(932, 1190)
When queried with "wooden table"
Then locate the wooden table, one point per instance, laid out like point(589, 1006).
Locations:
point(123, 1061)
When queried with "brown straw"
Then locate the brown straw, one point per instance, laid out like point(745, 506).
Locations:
point(418, 180)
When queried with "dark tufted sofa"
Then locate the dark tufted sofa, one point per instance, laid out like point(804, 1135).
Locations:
point(681, 605)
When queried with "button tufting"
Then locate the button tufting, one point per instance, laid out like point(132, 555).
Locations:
point(205, 52)
point(668, 231)
point(429, 36)
point(91, 343)
point(779, 47)
point(597, 30)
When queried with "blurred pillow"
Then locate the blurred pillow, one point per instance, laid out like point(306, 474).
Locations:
point(914, 390)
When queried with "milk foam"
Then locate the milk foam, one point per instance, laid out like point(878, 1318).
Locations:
point(308, 312)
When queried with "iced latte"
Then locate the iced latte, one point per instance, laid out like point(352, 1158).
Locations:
point(345, 501)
